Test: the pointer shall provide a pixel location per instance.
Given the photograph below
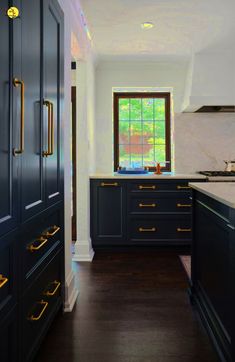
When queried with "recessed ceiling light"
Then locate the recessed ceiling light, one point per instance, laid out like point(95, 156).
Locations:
point(147, 25)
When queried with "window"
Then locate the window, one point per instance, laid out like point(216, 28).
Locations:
point(142, 130)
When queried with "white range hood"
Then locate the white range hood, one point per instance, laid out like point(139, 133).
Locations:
point(210, 82)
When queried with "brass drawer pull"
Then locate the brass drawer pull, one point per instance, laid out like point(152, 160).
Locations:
point(183, 187)
point(103, 184)
point(147, 205)
point(184, 205)
point(33, 248)
point(3, 281)
point(153, 187)
point(184, 230)
point(52, 233)
point(50, 294)
point(44, 307)
point(143, 230)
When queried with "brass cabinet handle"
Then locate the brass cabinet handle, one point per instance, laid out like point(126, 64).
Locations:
point(57, 285)
point(183, 230)
point(51, 233)
point(184, 205)
point(16, 83)
point(147, 205)
point(49, 134)
point(183, 187)
point(33, 248)
point(3, 280)
point(141, 187)
point(103, 184)
point(39, 316)
point(143, 230)
point(52, 129)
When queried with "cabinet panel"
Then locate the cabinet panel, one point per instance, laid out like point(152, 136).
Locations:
point(8, 338)
point(53, 76)
point(32, 191)
point(9, 164)
point(109, 206)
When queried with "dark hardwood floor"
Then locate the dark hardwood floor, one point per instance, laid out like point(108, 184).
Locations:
point(132, 307)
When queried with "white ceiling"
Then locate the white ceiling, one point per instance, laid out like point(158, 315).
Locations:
point(181, 27)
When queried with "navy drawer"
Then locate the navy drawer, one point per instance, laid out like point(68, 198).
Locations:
point(8, 337)
point(147, 186)
point(161, 203)
point(165, 229)
point(39, 306)
point(38, 241)
point(8, 274)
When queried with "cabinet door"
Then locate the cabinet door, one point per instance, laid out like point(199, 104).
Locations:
point(8, 174)
point(108, 212)
point(52, 93)
point(8, 338)
point(27, 68)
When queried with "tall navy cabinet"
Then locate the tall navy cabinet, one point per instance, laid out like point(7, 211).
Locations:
point(31, 176)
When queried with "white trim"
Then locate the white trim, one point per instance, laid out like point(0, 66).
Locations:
point(83, 251)
point(71, 292)
point(85, 257)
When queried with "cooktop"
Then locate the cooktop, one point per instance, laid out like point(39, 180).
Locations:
point(217, 173)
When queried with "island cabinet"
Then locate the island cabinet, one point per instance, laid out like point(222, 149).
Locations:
point(213, 271)
point(140, 212)
point(31, 177)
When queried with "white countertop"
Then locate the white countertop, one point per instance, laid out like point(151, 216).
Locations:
point(221, 191)
point(150, 175)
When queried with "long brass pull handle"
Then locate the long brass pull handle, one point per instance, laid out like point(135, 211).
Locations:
point(147, 205)
point(52, 233)
point(103, 184)
point(3, 281)
point(52, 129)
point(183, 187)
point(141, 187)
point(57, 285)
point(44, 307)
point(183, 230)
point(16, 83)
point(33, 248)
point(48, 152)
point(184, 205)
point(143, 230)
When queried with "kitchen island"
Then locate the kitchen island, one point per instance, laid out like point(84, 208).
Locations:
point(213, 262)
point(141, 210)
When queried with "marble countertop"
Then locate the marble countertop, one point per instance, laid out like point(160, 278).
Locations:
point(223, 192)
point(150, 175)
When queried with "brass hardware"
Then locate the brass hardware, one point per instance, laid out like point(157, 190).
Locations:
point(16, 83)
point(142, 230)
point(112, 184)
point(184, 230)
point(147, 205)
point(3, 281)
point(33, 248)
point(57, 285)
point(51, 233)
point(49, 134)
point(45, 305)
point(141, 187)
point(13, 12)
point(52, 128)
point(184, 205)
point(183, 187)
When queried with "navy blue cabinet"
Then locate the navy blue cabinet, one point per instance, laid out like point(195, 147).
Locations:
point(140, 212)
point(31, 177)
point(213, 257)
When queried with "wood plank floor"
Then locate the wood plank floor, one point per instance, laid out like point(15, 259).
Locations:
point(132, 307)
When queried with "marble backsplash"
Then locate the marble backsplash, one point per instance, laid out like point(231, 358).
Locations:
point(203, 140)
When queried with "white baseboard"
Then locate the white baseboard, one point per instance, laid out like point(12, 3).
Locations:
point(83, 251)
point(71, 292)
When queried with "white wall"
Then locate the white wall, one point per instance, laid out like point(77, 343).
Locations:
point(201, 141)
point(129, 74)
